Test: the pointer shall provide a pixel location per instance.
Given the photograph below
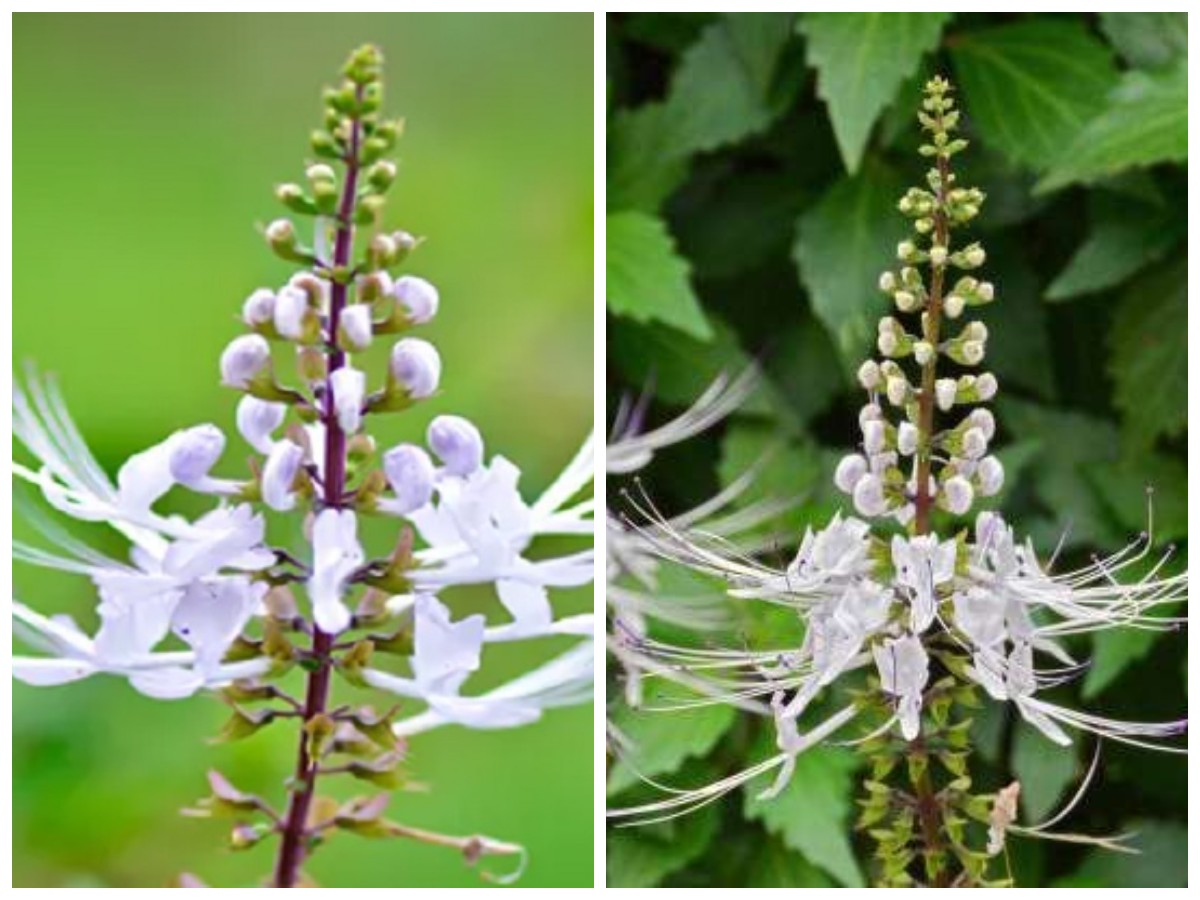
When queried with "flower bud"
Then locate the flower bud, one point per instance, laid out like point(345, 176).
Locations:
point(887, 282)
point(279, 475)
point(374, 285)
point(945, 390)
point(410, 473)
point(985, 292)
point(382, 250)
point(906, 301)
point(291, 310)
point(259, 308)
point(281, 236)
point(355, 326)
point(974, 256)
point(869, 412)
point(957, 495)
point(887, 343)
point(906, 438)
point(849, 471)
point(937, 255)
point(416, 365)
point(905, 251)
point(257, 420)
point(974, 331)
point(418, 297)
point(244, 358)
point(972, 353)
point(868, 496)
point(868, 375)
point(349, 391)
point(381, 175)
point(974, 444)
point(990, 474)
point(874, 436)
point(923, 352)
point(897, 390)
point(953, 305)
point(405, 244)
point(986, 386)
point(983, 420)
point(195, 451)
point(457, 443)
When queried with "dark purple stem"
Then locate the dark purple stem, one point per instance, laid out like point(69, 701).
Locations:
point(293, 849)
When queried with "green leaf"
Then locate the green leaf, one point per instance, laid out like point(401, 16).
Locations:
point(1044, 770)
point(1067, 442)
point(773, 865)
point(1019, 349)
point(646, 279)
point(644, 165)
point(1125, 237)
point(1114, 651)
point(661, 741)
point(1144, 123)
point(861, 59)
point(1147, 40)
point(1162, 860)
point(812, 813)
point(842, 244)
point(676, 367)
point(1148, 358)
point(1124, 485)
point(1030, 87)
point(721, 91)
point(642, 856)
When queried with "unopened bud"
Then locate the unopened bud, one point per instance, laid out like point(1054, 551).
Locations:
point(281, 235)
point(923, 352)
point(953, 305)
point(868, 375)
point(349, 390)
point(874, 434)
point(974, 256)
point(416, 365)
point(868, 496)
point(887, 282)
point(291, 313)
point(869, 412)
point(905, 250)
point(418, 297)
point(195, 451)
point(986, 386)
point(279, 475)
point(983, 420)
point(355, 325)
point(945, 390)
point(319, 172)
point(457, 443)
point(990, 474)
point(410, 473)
point(972, 353)
point(974, 443)
point(381, 175)
point(897, 390)
point(259, 308)
point(906, 438)
point(244, 358)
point(887, 343)
point(985, 292)
point(957, 495)
point(906, 301)
point(937, 255)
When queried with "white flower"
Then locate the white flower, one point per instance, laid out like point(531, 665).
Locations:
point(355, 322)
point(349, 387)
point(849, 471)
point(903, 668)
point(279, 475)
point(868, 496)
point(457, 443)
point(410, 474)
point(974, 443)
point(194, 451)
point(336, 556)
point(418, 297)
point(257, 420)
point(291, 311)
point(416, 366)
point(922, 565)
point(244, 358)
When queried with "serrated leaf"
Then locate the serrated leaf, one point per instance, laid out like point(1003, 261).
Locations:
point(1030, 87)
point(661, 741)
point(842, 244)
point(1044, 770)
point(1144, 123)
point(721, 91)
point(646, 279)
point(644, 164)
point(1148, 346)
point(1147, 40)
point(1124, 237)
point(861, 59)
point(812, 814)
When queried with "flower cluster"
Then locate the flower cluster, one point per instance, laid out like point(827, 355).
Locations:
point(216, 588)
point(920, 621)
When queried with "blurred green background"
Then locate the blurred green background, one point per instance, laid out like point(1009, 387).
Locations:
point(754, 164)
point(145, 151)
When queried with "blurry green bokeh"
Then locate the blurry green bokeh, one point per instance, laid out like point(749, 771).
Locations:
point(145, 150)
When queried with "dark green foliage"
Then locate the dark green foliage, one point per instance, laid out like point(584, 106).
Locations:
point(778, 190)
